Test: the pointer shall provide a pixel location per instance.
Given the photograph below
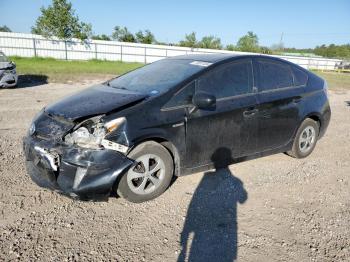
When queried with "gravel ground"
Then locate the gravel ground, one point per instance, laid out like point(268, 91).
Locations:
point(271, 209)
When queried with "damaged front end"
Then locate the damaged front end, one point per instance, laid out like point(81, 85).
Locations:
point(8, 74)
point(81, 160)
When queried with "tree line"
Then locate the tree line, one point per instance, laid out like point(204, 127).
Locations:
point(59, 20)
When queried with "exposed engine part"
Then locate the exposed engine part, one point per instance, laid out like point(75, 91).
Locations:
point(114, 146)
point(91, 133)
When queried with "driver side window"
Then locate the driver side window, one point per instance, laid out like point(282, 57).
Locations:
point(182, 97)
point(228, 80)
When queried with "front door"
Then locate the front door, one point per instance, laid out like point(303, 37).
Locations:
point(228, 131)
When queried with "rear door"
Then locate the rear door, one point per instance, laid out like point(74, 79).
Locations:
point(279, 99)
point(232, 124)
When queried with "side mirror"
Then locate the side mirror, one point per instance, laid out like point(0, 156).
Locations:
point(204, 101)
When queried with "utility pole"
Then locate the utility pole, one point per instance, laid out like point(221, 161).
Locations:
point(281, 42)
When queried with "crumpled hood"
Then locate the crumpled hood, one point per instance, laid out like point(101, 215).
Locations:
point(92, 101)
point(6, 65)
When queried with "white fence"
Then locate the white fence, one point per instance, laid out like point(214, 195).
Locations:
point(30, 45)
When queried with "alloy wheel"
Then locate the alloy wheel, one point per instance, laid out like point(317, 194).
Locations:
point(307, 139)
point(147, 175)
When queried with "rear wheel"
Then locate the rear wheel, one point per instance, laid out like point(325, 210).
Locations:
point(151, 174)
point(305, 139)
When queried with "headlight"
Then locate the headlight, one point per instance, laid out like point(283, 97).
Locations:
point(32, 129)
point(114, 124)
point(91, 134)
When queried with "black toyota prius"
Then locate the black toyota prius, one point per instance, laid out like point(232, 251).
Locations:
point(133, 134)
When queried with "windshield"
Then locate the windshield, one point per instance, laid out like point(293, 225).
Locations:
point(3, 58)
point(157, 77)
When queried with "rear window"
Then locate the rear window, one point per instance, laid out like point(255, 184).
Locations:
point(274, 75)
point(300, 77)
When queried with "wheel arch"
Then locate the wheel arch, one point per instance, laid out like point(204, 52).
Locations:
point(168, 145)
point(316, 117)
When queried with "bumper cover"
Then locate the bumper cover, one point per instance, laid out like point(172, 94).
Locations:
point(86, 174)
point(8, 80)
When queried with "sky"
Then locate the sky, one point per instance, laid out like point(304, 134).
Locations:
point(303, 23)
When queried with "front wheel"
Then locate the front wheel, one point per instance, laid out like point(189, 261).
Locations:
point(151, 174)
point(305, 139)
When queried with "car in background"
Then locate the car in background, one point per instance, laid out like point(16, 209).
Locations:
point(8, 74)
point(343, 65)
point(176, 116)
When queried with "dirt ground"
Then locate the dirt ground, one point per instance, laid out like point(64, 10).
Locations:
point(271, 209)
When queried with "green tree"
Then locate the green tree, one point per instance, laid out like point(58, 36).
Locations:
point(189, 41)
point(122, 34)
point(332, 50)
point(4, 28)
point(145, 37)
point(231, 47)
point(101, 37)
point(210, 42)
point(249, 43)
point(59, 20)
point(297, 50)
point(265, 50)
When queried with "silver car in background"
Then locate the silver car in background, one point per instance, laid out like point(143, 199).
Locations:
point(8, 74)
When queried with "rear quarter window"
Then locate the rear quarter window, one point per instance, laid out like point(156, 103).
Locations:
point(300, 77)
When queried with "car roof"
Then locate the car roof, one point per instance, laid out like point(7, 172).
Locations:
point(211, 58)
point(215, 58)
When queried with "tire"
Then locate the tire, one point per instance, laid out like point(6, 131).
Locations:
point(305, 139)
point(137, 185)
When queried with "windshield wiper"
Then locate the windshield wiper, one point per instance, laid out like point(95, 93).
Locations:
point(108, 83)
point(119, 87)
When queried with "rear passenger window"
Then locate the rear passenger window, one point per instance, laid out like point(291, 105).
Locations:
point(300, 77)
point(228, 80)
point(274, 75)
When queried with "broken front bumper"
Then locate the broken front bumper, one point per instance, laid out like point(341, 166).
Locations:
point(77, 172)
point(8, 79)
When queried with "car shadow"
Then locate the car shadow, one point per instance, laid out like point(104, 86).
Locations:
point(347, 103)
point(210, 228)
point(31, 80)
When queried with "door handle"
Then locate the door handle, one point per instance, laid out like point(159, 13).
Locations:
point(250, 112)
